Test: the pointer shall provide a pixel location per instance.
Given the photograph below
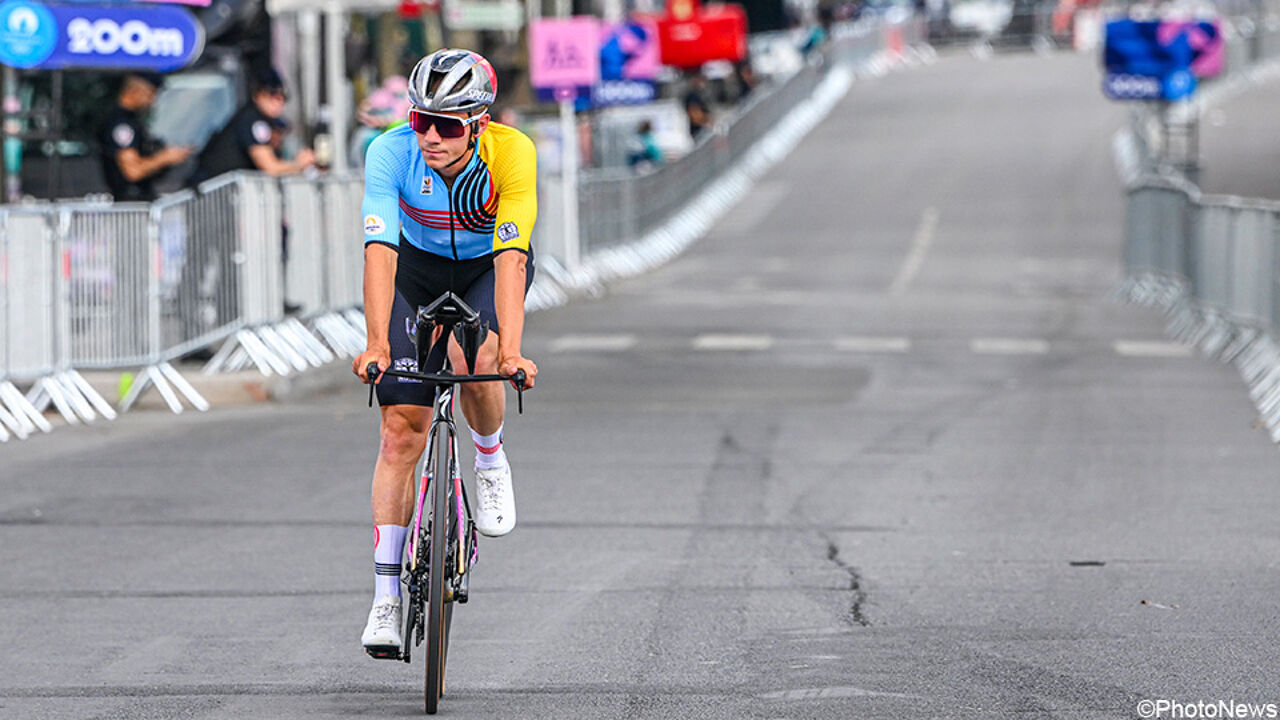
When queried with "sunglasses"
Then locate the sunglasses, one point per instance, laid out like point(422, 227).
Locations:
point(447, 126)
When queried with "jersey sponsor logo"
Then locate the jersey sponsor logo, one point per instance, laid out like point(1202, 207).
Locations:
point(261, 132)
point(426, 184)
point(508, 231)
point(374, 225)
point(122, 134)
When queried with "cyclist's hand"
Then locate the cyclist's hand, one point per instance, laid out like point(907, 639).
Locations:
point(360, 365)
point(509, 364)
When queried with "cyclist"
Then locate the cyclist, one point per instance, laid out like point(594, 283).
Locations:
point(450, 201)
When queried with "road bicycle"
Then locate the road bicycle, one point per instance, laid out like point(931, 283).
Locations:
point(441, 544)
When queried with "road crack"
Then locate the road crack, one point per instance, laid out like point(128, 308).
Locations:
point(856, 613)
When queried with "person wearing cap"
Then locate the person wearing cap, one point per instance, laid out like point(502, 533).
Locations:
point(132, 159)
point(245, 142)
point(450, 200)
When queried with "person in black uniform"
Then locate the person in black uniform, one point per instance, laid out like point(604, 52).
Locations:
point(131, 158)
point(249, 141)
point(245, 142)
point(695, 105)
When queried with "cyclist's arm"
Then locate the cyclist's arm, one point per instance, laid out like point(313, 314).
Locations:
point(379, 294)
point(509, 274)
point(381, 212)
point(517, 210)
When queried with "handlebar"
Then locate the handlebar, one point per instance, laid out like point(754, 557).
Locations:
point(517, 378)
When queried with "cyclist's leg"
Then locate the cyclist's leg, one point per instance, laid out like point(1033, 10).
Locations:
point(484, 404)
point(403, 438)
point(406, 418)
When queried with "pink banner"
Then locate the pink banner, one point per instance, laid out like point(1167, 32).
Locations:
point(564, 53)
point(635, 44)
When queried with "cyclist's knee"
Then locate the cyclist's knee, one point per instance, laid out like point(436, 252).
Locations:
point(403, 435)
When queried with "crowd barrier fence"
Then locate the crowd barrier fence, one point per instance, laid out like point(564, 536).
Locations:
point(1210, 263)
point(130, 285)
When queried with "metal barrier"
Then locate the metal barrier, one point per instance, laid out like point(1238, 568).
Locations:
point(1212, 264)
point(270, 341)
point(29, 282)
point(97, 286)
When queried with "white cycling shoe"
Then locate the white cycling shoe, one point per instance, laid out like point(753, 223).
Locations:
point(496, 509)
point(381, 636)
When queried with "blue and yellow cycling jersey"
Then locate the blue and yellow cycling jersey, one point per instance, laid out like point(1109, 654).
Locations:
point(491, 207)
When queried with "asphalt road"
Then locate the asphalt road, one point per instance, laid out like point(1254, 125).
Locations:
point(1239, 145)
point(882, 445)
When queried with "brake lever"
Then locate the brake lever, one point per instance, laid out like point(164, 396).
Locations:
point(373, 372)
point(518, 377)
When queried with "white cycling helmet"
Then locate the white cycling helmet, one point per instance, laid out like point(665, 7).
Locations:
point(452, 80)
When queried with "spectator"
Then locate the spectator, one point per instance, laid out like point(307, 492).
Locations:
point(745, 75)
point(383, 109)
point(644, 151)
point(131, 158)
point(696, 107)
point(279, 129)
point(244, 143)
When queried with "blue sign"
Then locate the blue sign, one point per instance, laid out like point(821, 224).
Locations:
point(623, 92)
point(1159, 60)
point(28, 34)
point(157, 38)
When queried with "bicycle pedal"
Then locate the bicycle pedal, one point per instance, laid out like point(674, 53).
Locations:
point(383, 652)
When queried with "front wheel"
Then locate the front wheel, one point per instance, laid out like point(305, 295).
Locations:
point(439, 612)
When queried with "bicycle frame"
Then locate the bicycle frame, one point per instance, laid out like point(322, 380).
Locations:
point(442, 420)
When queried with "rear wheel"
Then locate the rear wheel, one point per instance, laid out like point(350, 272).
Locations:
point(439, 612)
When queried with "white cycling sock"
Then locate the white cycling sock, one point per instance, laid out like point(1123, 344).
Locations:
point(489, 452)
point(388, 550)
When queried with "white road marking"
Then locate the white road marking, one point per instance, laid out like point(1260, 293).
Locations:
point(732, 342)
point(1008, 346)
point(1151, 349)
point(873, 344)
point(593, 343)
point(825, 693)
point(915, 256)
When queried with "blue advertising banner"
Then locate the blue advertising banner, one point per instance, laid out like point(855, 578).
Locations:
point(1159, 60)
point(157, 38)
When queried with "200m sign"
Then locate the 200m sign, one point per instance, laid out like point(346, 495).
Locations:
point(134, 37)
point(159, 38)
